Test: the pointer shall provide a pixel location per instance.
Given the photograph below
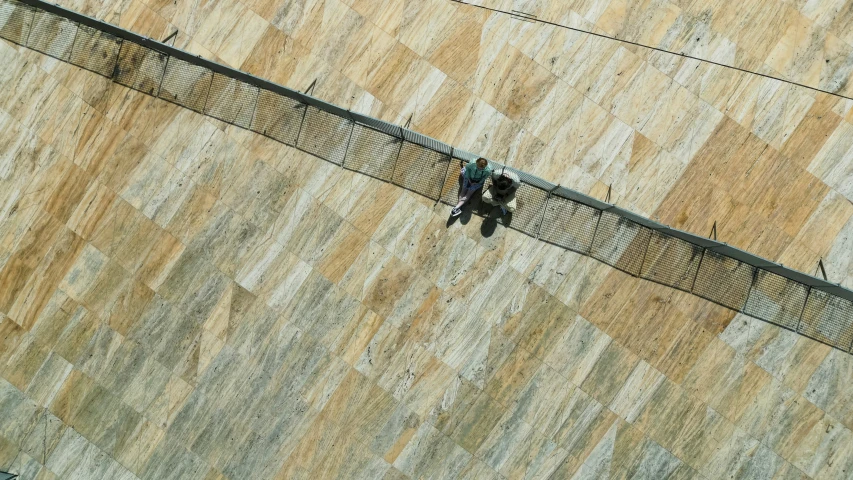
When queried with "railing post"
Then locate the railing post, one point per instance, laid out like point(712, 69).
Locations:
point(595, 232)
point(646, 252)
point(301, 123)
point(254, 107)
point(73, 42)
point(749, 293)
point(545, 209)
point(349, 140)
point(850, 349)
point(207, 97)
point(32, 26)
point(803, 310)
point(163, 77)
point(115, 62)
point(701, 259)
point(444, 181)
point(399, 151)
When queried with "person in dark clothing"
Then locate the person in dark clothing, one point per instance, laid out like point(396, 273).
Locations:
point(502, 191)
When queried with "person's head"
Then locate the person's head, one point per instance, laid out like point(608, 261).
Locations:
point(504, 182)
point(482, 162)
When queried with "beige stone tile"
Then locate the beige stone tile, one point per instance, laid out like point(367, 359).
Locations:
point(46, 276)
point(273, 274)
point(430, 453)
point(608, 374)
point(803, 143)
point(513, 376)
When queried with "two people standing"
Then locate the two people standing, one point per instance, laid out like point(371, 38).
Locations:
point(500, 193)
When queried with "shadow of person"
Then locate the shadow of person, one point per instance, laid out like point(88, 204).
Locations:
point(490, 224)
point(451, 220)
point(467, 211)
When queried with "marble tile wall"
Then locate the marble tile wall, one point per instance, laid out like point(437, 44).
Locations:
point(180, 298)
point(162, 320)
point(584, 111)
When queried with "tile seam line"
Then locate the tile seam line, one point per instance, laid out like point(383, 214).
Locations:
point(816, 89)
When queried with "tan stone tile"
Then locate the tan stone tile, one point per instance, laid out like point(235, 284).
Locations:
point(230, 31)
point(824, 390)
point(273, 274)
point(604, 306)
point(421, 25)
point(160, 261)
point(138, 17)
point(430, 453)
point(47, 275)
point(513, 376)
point(27, 359)
point(227, 240)
point(690, 341)
point(459, 49)
point(736, 385)
point(190, 215)
point(804, 143)
point(341, 256)
point(609, 373)
point(576, 351)
point(24, 260)
point(324, 382)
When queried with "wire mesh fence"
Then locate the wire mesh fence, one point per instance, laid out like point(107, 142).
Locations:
point(620, 242)
point(828, 319)
point(671, 261)
point(278, 117)
point(569, 224)
point(776, 299)
point(231, 101)
point(421, 170)
point(95, 51)
point(325, 135)
point(140, 68)
point(16, 19)
point(185, 84)
point(723, 280)
point(554, 214)
point(373, 152)
point(52, 35)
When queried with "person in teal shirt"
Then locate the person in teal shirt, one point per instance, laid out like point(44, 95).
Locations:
point(474, 174)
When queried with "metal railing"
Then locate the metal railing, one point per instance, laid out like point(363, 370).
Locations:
point(641, 247)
